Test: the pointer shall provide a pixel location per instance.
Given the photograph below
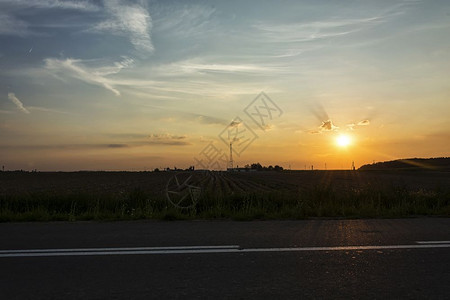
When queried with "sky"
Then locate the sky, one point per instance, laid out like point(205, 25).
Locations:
point(139, 85)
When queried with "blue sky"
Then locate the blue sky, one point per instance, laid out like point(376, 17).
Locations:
point(145, 84)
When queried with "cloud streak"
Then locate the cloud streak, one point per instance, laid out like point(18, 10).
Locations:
point(343, 27)
point(48, 110)
point(193, 67)
point(18, 103)
point(353, 126)
point(49, 4)
point(65, 146)
point(10, 25)
point(186, 20)
point(208, 120)
point(307, 32)
point(364, 123)
point(167, 139)
point(149, 80)
point(97, 76)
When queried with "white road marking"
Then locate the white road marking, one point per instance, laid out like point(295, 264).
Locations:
point(196, 250)
point(134, 252)
point(433, 242)
point(345, 248)
point(119, 249)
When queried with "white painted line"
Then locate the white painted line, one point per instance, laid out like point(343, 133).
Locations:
point(135, 252)
point(346, 248)
point(119, 249)
point(199, 250)
point(433, 242)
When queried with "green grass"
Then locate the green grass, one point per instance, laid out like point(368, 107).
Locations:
point(319, 201)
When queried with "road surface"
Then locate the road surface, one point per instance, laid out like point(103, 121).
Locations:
point(379, 258)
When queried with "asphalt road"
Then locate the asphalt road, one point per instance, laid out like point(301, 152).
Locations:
point(401, 258)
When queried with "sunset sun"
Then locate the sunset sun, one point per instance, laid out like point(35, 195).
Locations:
point(343, 140)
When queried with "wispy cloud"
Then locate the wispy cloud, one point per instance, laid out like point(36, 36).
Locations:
point(195, 66)
point(306, 32)
point(117, 146)
point(75, 68)
point(127, 136)
point(184, 20)
point(327, 126)
point(10, 25)
point(166, 136)
point(235, 124)
point(145, 82)
point(130, 20)
point(18, 103)
point(202, 119)
point(49, 110)
point(324, 127)
point(344, 28)
point(364, 123)
point(148, 84)
point(126, 62)
point(65, 146)
point(29, 109)
point(167, 139)
point(353, 126)
point(122, 140)
point(61, 4)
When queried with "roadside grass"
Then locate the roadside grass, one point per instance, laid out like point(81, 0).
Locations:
point(329, 201)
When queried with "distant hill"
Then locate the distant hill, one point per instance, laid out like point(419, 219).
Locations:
point(437, 164)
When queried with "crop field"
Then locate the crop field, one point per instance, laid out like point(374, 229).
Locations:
point(41, 196)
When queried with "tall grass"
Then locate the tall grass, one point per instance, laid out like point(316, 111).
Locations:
point(317, 201)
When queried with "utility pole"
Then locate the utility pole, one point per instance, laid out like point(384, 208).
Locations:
point(353, 165)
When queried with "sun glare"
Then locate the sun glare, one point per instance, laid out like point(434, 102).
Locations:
point(343, 140)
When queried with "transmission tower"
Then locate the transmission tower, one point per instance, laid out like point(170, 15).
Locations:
point(230, 163)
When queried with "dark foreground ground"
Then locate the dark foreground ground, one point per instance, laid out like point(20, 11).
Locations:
point(222, 195)
point(20, 183)
point(267, 272)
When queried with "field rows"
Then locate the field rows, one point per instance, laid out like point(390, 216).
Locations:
point(248, 195)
